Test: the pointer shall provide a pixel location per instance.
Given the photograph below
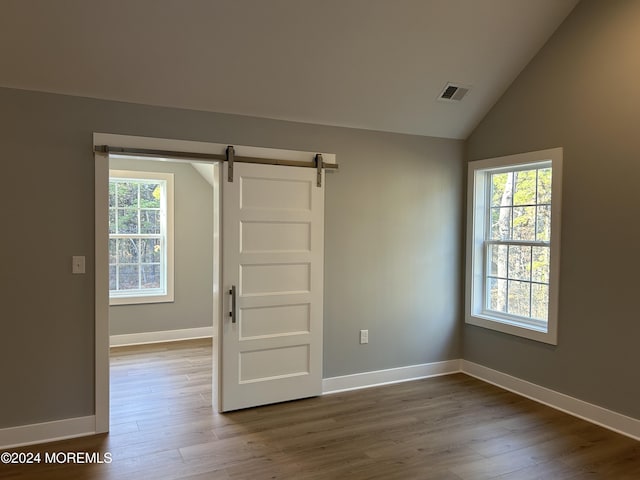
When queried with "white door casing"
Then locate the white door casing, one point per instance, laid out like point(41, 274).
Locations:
point(101, 163)
point(272, 252)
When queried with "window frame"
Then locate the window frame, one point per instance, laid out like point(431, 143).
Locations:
point(166, 294)
point(478, 211)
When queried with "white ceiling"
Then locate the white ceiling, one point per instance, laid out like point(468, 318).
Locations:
point(373, 64)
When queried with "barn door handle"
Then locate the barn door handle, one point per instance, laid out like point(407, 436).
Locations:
point(232, 313)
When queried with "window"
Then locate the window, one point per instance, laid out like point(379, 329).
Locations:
point(513, 244)
point(140, 237)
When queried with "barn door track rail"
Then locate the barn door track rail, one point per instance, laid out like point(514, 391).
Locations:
point(229, 156)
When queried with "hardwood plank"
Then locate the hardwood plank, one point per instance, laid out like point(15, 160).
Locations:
point(447, 428)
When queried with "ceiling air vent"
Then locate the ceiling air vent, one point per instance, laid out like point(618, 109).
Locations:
point(453, 92)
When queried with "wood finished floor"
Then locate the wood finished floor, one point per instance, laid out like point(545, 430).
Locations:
point(451, 427)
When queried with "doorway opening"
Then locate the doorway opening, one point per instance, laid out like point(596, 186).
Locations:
point(267, 281)
point(163, 282)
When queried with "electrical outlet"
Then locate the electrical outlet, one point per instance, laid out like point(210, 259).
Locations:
point(364, 336)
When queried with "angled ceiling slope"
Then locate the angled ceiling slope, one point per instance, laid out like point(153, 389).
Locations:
point(373, 64)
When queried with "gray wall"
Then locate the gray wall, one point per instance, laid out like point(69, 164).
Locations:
point(193, 246)
point(392, 241)
point(581, 92)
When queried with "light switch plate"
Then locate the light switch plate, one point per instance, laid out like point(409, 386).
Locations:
point(77, 264)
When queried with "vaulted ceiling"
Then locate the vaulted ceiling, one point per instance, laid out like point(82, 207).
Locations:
point(373, 64)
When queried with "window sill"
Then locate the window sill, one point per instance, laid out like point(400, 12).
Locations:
point(140, 300)
point(513, 327)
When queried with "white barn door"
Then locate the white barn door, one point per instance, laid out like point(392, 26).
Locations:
point(272, 261)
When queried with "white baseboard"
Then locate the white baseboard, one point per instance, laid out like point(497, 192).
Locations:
point(578, 408)
point(47, 432)
point(162, 336)
point(392, 375)
point(82, 426)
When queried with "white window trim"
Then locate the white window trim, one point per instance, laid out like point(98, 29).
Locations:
point(168, 296)
point(476, 225)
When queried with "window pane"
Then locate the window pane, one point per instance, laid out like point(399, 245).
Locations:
point(524, 188)
point(501, 189)
point(524, 223)
point(128, 250)
point(540, 301)
point(519, 298)
point(137, 225)
point(112, 220)
point(150, 250)
point(127, 194)
point(127, 221)
point(137, 243)
point(497, 261)
point(150, 195)
point(543, 228)
point(501, 223)
point(128, 277)
point(112, 277)
point(112, 194)
point(540, 265)
point(497, 295)
point(113, 251)
point(519, 263)
point(150, 276)
point(544, 185)
point(149, 221)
